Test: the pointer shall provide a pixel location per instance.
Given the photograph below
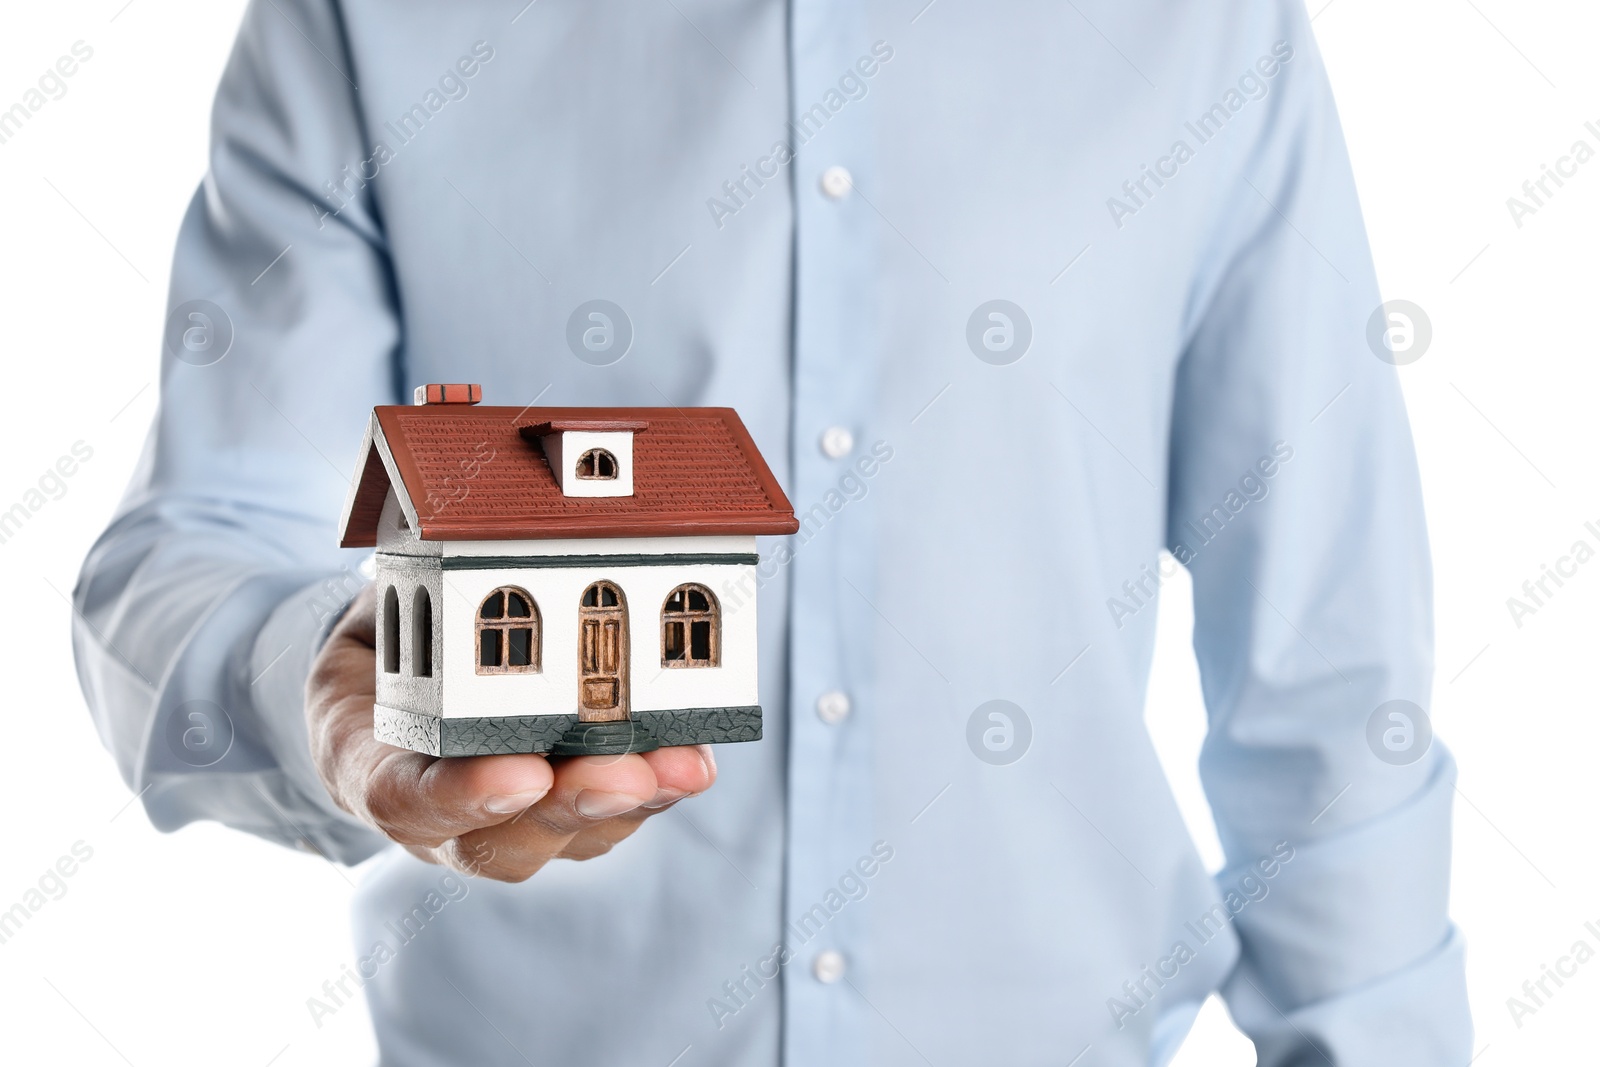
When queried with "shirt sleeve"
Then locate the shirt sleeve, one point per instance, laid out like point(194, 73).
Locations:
point(1294, 501)
point(200, 608)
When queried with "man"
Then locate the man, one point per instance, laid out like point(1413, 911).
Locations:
point(1012, 298)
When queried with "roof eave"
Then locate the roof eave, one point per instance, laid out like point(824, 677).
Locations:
point(686, 526)
point(363, 506)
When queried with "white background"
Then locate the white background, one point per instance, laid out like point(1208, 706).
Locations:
point(201, 947)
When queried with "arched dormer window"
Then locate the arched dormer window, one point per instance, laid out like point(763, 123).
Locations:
point(691, 628)
point(508, 632)
point(389, 631)
point(597, 464)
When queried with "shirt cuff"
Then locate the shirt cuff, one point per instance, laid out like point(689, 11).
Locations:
point(229, 742)
point(1417, 1017)
point(1351, 953)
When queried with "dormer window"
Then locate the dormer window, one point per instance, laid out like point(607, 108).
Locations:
point(588, 457)
point(597, 464)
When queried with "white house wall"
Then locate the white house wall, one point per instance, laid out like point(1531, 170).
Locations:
point(557, 591)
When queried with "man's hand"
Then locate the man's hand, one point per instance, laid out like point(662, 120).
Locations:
point(502, 817)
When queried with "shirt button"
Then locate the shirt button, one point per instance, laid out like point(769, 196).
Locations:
point(837, 441)
point(828, 966)
point(832, 707)
point(836, 182)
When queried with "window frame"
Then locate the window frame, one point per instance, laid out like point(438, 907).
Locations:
point(686, 617)
point(503, 624)
point(598, 453)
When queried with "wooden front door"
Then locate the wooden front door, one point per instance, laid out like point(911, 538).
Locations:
point(602, 654)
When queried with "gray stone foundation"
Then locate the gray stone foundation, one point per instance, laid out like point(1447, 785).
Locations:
point(406, 729)
point(510, 734)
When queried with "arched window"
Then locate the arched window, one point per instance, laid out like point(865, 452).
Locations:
point(597, 465)
point(691, 628)
point(422, 634)
point(389, 632)
point(508, 633)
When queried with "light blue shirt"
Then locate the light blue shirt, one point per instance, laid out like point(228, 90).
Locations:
point(1159, 194)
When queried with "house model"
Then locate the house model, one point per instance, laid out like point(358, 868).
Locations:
point(548, 578)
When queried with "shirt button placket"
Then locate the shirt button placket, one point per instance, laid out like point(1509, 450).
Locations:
point(830, 797)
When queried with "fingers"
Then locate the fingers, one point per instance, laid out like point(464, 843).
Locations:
point(680, 772)
point(588, 789)
point(421, 800)
point(588, 792)
point(604, 836)
point(595, 802)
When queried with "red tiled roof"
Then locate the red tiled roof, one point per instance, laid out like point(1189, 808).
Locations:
point(472, 475)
